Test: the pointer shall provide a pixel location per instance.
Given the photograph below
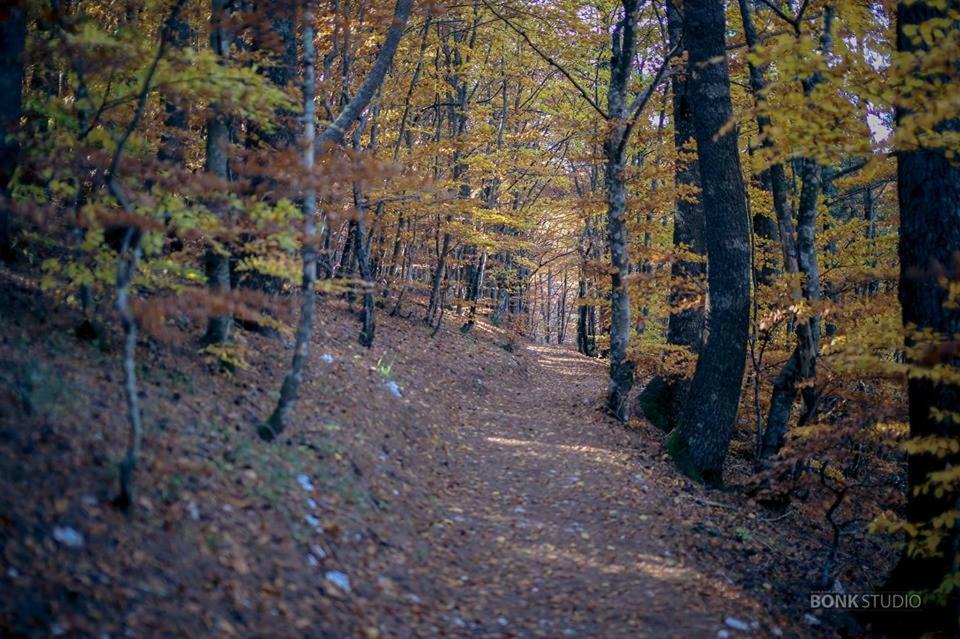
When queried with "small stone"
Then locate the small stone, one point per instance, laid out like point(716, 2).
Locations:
point(338, 579)
point(502, 621)
point(312, 561)
point(193, 511)
point(305, 483)
point(392, 385)
point(313, 521)
point(736, 624)
point(723, 634)
point(327, 357)
point(68, 536)
point(810, 619)
point(318, 551)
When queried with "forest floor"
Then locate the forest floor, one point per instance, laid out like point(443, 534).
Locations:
point(465, 485)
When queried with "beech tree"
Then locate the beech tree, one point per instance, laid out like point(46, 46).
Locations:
point(331, 137)
point(13, 31)
point(928, 190)
point(707, 424)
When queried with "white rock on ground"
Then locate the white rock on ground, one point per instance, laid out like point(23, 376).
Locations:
point(338, 579)
point(736, 624)
point(68, 536)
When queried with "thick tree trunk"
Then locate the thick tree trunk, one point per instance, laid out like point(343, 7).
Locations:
point(13, 30)
point(709, 416)
point(662, 398)
point(929, 197)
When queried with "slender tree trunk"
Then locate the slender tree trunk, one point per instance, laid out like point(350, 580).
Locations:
point(126, 270)
point(614, 148)
point(301, 352)
point(218, 144)
point(332, 135)
point(562, 311)
point(802, 365)
point(929, 197)
point(13, 31)
point(368, 314)
point(709, 416)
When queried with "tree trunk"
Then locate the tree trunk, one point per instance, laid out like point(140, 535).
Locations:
point(218, 144)
point(332, 135)
point(301, 351)
point(802, 366)
point(709, 416)
point(929, 198)
point(662, 398)
point(623, 48)
point(13, 31)
point(368, 314)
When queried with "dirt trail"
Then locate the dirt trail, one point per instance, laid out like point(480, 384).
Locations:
point(551, 519)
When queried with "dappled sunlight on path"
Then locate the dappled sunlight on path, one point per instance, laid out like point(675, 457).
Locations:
point(550, 526)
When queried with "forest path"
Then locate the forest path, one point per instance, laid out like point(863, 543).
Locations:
point(552, 523)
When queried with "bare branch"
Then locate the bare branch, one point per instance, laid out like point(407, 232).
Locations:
point(549, 60)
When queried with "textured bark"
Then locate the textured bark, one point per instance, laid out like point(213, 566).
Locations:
point(301, 352)
point(929, 197)
point(685, 328)
point(623, 48)
point(662, 398)
point(709, 416)
point(13, 30)
point(218, 144)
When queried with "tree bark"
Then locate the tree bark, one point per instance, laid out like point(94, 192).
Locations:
point(301, 352)
point(709, 416)
point(623, 49)
point(662, 398)
point(217, 163)
point(929, 197)
point(13, 31)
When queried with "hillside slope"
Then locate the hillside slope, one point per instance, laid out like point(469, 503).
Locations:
point(446, 486)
